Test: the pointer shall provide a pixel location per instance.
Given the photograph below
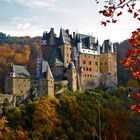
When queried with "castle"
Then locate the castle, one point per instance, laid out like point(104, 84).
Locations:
point(87, 58)
point(77, 59)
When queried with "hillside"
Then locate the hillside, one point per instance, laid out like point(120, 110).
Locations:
point(17, 50)
point(85, 115)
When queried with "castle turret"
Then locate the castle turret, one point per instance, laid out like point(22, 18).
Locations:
point(48, 44)
point(72, 77)
point(108, 62)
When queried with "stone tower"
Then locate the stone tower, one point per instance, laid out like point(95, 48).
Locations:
point(65, 46)
point(49, 81)
point(72, 77)
point(108, 62)
point(48, 44)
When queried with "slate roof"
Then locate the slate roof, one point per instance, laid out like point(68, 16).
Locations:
point(88, 42)
point(64, 37)
point(71, 66)
point(56, 57)
point(20, 71)
point(106, 47)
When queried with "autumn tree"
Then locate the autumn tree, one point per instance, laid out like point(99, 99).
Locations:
point(112, 10)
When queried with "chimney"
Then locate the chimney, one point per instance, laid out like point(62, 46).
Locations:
point(67, 31)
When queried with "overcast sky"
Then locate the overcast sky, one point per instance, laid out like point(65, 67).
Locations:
point(32, 17)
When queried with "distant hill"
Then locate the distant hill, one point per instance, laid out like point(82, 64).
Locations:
point(33, 43)
point(123, 76)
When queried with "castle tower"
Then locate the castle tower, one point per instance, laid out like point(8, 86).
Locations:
point(108, 60)
point(49, 81)
point(65, 46)
point(72, 77)
point(48, 44)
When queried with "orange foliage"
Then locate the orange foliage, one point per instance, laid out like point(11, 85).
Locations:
point(45, 110)
point(20, 135)
point(27, 51)
point(133, 55)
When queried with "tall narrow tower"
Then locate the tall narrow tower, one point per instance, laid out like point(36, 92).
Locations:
point(108, 60)
point(72, 77)
point(49, 81)
point(65, 46)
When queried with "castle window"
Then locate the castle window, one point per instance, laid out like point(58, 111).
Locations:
point(105, 63)
point(94, 56)
point(84, 62)
point(85, 55)
point(89, 62)
point(87, 69)
point(96, 63)
point(101, 63)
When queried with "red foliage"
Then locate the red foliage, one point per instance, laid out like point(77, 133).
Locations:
point(115, 8)
point(136, 108)
point(132, 60)
point(138, 96)
point(103, 23)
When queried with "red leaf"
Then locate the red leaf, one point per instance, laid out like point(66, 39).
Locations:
point(120, 13)
point(129, 69)
point(103, 23)
point(135, 15)
point(138, 96)
point(108, 21)
point(133, 5)
point(122, 62)
point(130, 10)
point(107, 14)
point(114, 21)
point(138, 19)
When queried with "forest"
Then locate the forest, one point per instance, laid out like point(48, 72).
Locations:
point(17, 50)
point(82, 115)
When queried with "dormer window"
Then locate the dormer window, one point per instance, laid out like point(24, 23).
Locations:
point(12, 74)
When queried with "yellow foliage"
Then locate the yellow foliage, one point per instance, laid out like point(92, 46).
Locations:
point(45, 110)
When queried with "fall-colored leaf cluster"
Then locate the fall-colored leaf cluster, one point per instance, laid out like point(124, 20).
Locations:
point(114, 8)
point(132, 61)
point(16, 55)
point(74, 116)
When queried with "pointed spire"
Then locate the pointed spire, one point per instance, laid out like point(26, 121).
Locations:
point(48, 72)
